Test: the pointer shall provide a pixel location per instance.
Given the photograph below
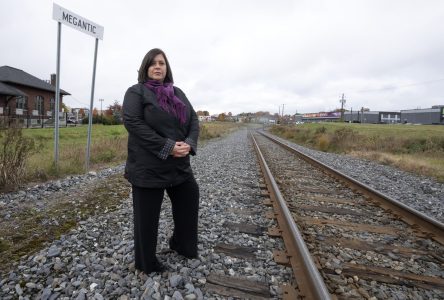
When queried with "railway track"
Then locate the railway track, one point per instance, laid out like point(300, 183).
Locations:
point(345, 240)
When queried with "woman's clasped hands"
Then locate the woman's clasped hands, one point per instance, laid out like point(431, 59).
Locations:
point(181, 149)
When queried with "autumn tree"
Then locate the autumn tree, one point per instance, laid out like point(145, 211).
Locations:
point(202, 113)
point(221, 117)
point(65, 108)
point(114, 113)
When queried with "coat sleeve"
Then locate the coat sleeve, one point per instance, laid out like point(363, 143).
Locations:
point(193, 132)
point(135, 124)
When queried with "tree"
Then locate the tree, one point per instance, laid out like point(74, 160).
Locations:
point(114, 113)
point(221, 117)
point(82, 112)
point(202, 113)
point(65, 108)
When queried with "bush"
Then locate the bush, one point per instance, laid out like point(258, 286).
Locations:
point(323, 142)
point(321, 130)
point(105, 120)
point(14, 153)
point(344, 139)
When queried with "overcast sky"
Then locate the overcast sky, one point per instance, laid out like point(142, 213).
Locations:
point(242, 55)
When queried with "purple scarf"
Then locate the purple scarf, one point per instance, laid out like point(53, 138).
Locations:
point(167, 100)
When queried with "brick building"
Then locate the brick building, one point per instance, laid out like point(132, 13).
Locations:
point(26, 99)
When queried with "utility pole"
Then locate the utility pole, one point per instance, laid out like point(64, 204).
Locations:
point(342, 107)
point(101, 111)
point(283, 112)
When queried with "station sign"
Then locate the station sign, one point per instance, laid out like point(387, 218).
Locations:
point(75, 21)
point(64, 16)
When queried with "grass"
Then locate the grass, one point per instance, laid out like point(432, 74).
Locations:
point(108, 146)
point(414, 148)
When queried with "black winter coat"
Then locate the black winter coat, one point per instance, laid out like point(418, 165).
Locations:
point(152, 134)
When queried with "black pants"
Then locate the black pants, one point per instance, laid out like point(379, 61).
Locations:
point(147, 203)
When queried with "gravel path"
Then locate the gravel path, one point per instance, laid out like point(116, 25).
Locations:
point(421, 193)
point(95, 260)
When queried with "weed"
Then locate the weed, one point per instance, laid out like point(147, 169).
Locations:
point(320, 130)
point(14, 153)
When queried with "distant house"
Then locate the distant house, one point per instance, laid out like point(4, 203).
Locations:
point(205, 118)
point(78, 114)
point(26, 99)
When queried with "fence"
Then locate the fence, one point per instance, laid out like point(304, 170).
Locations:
point(26, 121)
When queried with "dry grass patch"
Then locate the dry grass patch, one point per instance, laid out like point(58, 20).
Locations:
point(426, 166)
point(213, 130)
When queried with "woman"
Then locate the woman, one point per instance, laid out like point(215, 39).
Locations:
point(162, 133)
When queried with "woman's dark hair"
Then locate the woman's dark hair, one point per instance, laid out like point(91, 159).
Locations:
point(146, 63)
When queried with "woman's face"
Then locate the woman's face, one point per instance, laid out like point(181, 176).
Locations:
point(157, 70)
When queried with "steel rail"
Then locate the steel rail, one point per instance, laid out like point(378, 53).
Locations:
point(310, 282)
point(410, 215)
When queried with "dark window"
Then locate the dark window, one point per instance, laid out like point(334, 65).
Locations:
point(52, 106)
point(39, 104)
point(21, 102)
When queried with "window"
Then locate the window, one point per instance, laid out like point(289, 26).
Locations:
point(21, 102)
point(39, 105)
point(52, 105)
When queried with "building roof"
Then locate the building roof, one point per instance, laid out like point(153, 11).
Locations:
point(10, 90)
point(12, 75)
point(420, 110)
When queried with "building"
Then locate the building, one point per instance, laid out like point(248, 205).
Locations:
point(427, 116)
point(434, 115)
point(205, 118)
point(26, 99)
point(373, 117)
point(330, 116)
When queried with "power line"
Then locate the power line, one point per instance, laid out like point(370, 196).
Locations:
point(78, 101)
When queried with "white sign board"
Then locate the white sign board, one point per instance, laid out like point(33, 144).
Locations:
point(73, 20)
